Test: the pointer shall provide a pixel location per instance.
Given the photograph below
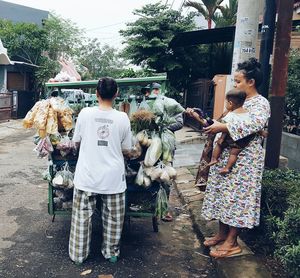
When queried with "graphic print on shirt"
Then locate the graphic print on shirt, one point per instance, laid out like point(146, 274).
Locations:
point(103, 133)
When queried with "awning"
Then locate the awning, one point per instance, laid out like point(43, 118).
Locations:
point(205, 36)
point(4, 59)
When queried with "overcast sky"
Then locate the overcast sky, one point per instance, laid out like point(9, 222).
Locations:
point(100, 19)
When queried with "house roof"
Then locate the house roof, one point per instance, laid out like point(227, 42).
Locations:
point(204, 36)
point(20, 13)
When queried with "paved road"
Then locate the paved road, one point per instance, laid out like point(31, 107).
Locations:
point(32, 246)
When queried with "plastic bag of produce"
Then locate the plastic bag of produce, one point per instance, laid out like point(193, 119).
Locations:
point(40, 119)
point(28, 121)
point(44, 147)
point(144, 105)
point(158, 106)
point(125, 106)
point(52, 125)
point(65, 121)
point(161, 209)
point(172, 107)
point(155, 172)
point(133, 107)
point(143, 138)
point(153, 152)
point(168, 145)
point(139, 180)
point(63, 178)
point(66, 146)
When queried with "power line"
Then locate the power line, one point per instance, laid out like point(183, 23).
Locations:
point(105, 26)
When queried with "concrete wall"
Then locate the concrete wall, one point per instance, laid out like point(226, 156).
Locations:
point(290, 148)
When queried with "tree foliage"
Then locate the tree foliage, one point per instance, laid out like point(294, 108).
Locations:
point(147, 39)
point(24, 41)
point(63, 36)
point(207, 8)
point(228, 14)
point(293, 94)
point(99, 60)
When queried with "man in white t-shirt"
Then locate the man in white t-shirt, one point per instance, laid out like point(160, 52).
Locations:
point(104, 134)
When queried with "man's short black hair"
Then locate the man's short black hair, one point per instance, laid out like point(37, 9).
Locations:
point(107, 88)
point(238, 97)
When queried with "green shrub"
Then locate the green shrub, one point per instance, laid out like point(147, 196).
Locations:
point(279, 230)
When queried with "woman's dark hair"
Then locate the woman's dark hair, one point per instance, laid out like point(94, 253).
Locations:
point(238, 97)
point(107, 87)
point(251, 70)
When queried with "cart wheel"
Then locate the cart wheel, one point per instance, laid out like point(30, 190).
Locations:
point(155, 224)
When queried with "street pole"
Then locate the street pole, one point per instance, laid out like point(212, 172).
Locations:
point(266, 44)
point(245, 33)
point(279, 81)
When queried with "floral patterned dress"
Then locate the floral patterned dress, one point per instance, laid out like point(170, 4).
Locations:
point(234, 199)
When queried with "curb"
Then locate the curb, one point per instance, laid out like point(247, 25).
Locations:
point(244, 265)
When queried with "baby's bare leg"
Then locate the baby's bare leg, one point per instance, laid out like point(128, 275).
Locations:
point(215, 155)
point(217, 150)
point(233, 156)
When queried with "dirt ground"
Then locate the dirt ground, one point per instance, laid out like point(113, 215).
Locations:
point(32, 246)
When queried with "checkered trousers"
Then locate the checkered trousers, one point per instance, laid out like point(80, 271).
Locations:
point(112, 213)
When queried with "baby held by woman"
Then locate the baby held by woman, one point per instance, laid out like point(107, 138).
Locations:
point(235, 112)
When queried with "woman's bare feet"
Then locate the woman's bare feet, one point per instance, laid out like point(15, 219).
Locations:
point(213, 241)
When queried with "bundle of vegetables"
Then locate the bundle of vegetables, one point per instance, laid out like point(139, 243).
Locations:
point(161, 203)
point(49, 117)
point(168, 145)
point(165, 110)
point(142, 120)
point(164, 105)
point(161, 173)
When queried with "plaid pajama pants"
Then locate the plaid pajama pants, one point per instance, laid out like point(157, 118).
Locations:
point(112, 213)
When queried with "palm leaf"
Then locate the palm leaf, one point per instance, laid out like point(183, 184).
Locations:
point(198, 6)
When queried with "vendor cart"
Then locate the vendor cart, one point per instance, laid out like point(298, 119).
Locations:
point(140, 201)
point(136, 196)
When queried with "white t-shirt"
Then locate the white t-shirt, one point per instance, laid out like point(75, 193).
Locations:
point(102, 134)
point(232, 116)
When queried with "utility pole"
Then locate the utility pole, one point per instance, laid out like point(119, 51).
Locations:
point(245, 33)
point(266, 44)
point(279, 81)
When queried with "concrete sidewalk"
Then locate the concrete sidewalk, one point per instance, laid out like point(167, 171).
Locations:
point(9, 127)
point(244, 265)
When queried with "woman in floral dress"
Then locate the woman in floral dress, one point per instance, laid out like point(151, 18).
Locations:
point(234, 199)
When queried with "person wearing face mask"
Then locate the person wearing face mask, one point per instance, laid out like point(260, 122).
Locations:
point(234, 198)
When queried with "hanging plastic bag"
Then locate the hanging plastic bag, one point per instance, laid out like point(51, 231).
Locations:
point(158, 106)
point(168, 145)
point(144, 105)
point(153, 152)
point(44, 147)
point(29, 118)
point(66, 146)
point(133, 107)
point(125, 106)
point(63, 178)
point(161, 209)
point(172, 107)
point(139, 180)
